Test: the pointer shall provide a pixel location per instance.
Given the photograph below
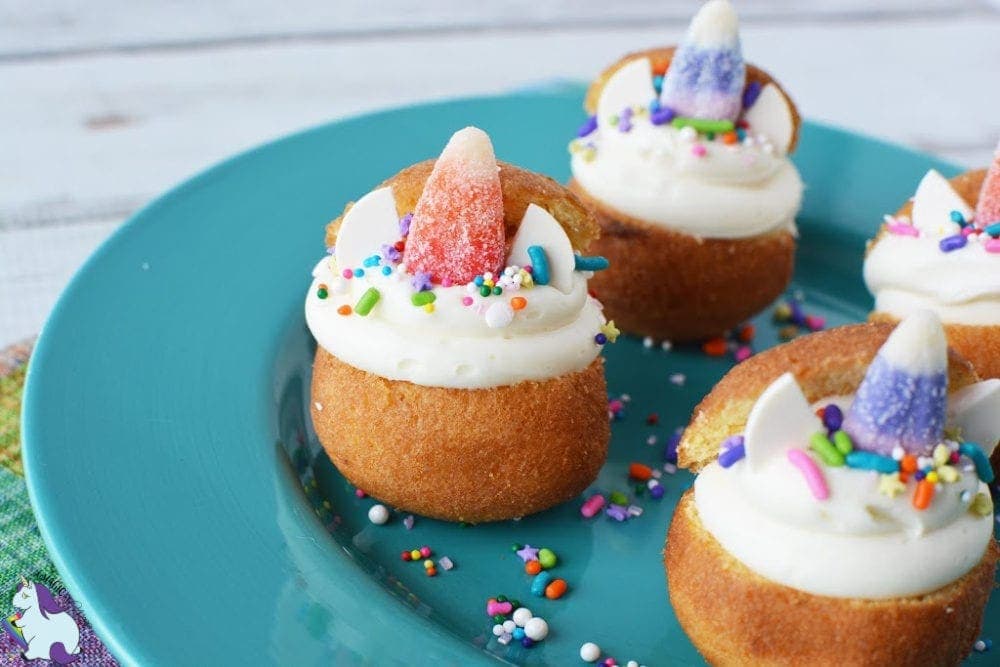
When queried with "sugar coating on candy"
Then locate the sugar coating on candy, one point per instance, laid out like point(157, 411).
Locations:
point(706, 75)
point(988, 206)
point(902, 400)
point(457, 230)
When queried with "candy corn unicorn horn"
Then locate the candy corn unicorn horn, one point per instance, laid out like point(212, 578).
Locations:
point(902, 400)
point(988, 207)
point(706, 76)
point(457, 231)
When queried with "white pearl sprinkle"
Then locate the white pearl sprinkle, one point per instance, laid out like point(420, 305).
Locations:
point(590, 652)
point(378, 514)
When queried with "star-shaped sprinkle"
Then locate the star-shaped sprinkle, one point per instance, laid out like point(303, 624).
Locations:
point(421, 281)
point(981, 505)
point(610, 331)
point(890, 485)
point(528, 552)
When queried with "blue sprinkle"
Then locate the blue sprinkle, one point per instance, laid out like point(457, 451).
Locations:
point(538, 584)
point(518, 633)
point(833, 417)
point(588, 127)
point(658, 82)
point(374, 260)
point(657, 492)
point(654, 105)
point(949, 243)
point(539, 265)
point(872, 461)
point(741, 134)
point(386, 270)
point(958, 218)
point(662, 116)
point(527, 642)
point(594, 263)
point(600, 339)
point(983, 468)
point(751, 93)
point(993, 230)
point(730, 456)
point(359, 273)
point(478, 280)
point(919, 475)
point(670, 451)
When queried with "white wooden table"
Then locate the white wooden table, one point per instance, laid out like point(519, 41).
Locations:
point(105, 103)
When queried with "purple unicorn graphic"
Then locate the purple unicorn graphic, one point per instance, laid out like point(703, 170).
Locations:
point(40, 627)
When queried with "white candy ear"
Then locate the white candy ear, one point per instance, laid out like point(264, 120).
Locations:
point(771, 115)
point(538, 227)
point(781, 418)
point(630, 86)
point(372, 221)
point(976, 410)
point(933, 203)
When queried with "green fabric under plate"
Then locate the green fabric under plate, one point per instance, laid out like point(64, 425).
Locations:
point(22, 551)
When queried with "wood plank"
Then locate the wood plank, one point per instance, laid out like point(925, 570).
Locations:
point(47, 28)
point(101, 133)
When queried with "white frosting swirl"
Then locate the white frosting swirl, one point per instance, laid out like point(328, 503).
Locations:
point(454, 346)
point(858, 543)
point(907, 274)
point(651, 173)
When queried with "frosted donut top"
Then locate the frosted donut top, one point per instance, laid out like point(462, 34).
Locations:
point(945, 256)
point(693, 148)
point(876, 495)
point(435, 298)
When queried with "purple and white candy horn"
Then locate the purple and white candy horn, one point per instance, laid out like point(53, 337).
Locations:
point(706, 75)
point(903, 397)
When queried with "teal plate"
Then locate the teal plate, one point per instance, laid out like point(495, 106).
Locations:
point(178, 482)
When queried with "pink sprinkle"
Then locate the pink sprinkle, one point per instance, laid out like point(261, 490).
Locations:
point(811, 472)
point(446, 282)
point(592, 506)
point(615, 405)
point(527, 267)
point(815, 322)
point(969, 230)
point(359, 493)
point(743, 353)
point(466, 300)
point(698, 150)
point(901, 229)
point(347, 273)
point(993, 245)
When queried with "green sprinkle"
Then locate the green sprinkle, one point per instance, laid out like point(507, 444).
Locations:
point(619, 498)
point(497, 290)
point(710, 136)
point(501, 598)
point(822, 446)
point(703, 124)
point(498, 618)
point(322, 293)
point(843, 442)
point(367, 301)
point(485, 290)
point(422, 298)
point(547, 558)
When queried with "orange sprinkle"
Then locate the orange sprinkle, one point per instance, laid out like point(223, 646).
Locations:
point(909, 463)
point(714, 347)
point(532, 567)
point(922, 496)
point(518, 302)
point(344, 310)
point(730, 138)
point(640, 472)
point(556, 589)
point(432, 572)
point(747, 333)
